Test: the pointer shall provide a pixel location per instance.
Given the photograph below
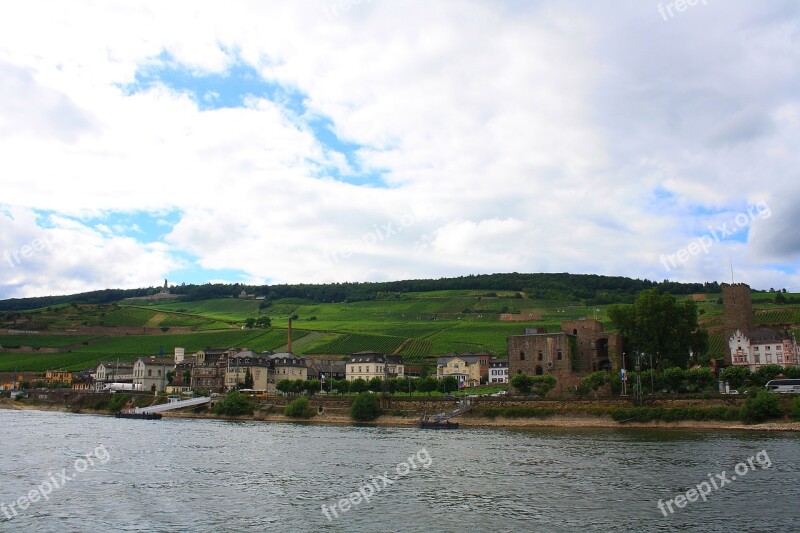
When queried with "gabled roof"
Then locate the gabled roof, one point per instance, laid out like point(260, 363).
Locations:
point(157, 361)
point(333, 366)
point(375, 357)
point(469, 357)
point(286, 359)
point(763, 335)
point(114, 364)
point(248, 360)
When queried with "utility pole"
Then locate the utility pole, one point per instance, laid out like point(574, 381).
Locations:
point(624, 376)
point(385, 371)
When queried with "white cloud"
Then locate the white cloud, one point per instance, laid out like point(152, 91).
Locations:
point(537, 137)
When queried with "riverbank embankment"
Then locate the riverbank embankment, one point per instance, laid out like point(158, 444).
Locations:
point(508, 412)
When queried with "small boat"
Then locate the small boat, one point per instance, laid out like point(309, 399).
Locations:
point(432, 424)
point(139, 416)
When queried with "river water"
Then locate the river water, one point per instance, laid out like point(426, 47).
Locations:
point(105, 474)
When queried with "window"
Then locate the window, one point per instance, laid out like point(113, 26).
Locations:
point(521, 356)
point(540, 357)
point(558, 356)
point(149, 372)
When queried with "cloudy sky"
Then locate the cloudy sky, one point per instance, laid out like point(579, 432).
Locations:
point(346, 140)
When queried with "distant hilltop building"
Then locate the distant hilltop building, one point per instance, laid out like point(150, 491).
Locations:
point(163, 293)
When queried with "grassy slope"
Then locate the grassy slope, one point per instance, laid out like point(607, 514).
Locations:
point(225, 309)
point(415, 325)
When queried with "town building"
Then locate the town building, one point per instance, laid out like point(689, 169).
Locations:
point(258, 366)
point(211, 364)
point(151, 373)
point(52, 377)
point(762, 347)
point(412, 371)
point(285, 366)
point(83, 381)
point(14, 380)
point(182, 377)
point(368, 365)
point(498, 371)
point(737, 313)
point(468, 368)
point(328, 368)
point(582, 346)
point(112, 372)
point(747, 345)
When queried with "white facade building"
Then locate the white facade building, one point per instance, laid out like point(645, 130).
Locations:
point(368, 365)
point(762, 347)
point(498, 372)
point(151, 373)
point(112, 372)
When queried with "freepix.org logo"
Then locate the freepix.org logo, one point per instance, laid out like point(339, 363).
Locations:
point(716, 234)
point(377, 484)
point(715, 482)
point(99, 456)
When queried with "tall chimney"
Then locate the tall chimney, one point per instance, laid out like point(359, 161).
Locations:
point(289, 344)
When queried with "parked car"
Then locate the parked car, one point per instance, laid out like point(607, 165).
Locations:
point(500, 393)
point(449, 397)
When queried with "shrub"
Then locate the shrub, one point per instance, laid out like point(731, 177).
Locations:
point(540, 385)
point(523, 383)
point(117, 402)
point(234, 404)
point(359, 385)
point(763, 406)
point(592, 382)
point(766, 373)
point(674, 378)
point(299, 408)
point(796, 408)
point(543, 384)
point(736, 376)
point(365, 408)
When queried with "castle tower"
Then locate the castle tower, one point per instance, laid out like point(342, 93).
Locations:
point(737, 313)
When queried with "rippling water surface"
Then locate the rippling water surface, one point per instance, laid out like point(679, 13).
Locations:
point(208, 475)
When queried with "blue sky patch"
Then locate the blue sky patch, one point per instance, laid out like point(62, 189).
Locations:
point(143, 226)
point(233, 87)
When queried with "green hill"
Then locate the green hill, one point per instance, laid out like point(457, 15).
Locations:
point(417, 324)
